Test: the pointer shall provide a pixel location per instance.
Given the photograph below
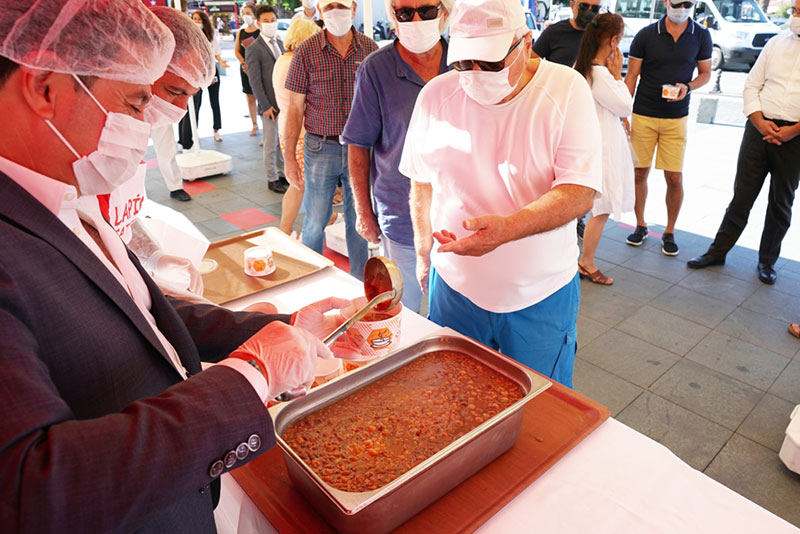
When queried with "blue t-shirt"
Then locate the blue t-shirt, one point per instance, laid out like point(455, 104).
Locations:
point(386, 89)
point(665, 61)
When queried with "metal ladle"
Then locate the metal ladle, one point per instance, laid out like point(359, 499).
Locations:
point(383, 286)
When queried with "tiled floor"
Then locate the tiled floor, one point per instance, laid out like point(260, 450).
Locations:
point(698, 360)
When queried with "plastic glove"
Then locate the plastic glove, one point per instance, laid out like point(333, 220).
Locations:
point(262, 307)
point(287, 355)
point(314, 319)
point(175, 271)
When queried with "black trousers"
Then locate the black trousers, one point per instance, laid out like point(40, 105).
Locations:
point(185, 126)
point(757, 159)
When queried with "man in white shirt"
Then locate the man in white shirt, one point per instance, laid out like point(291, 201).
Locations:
point(308, 11)
point(110, 424)
point(770, 145)
point(503, 157)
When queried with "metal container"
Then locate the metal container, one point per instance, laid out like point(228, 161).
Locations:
point(387, 507)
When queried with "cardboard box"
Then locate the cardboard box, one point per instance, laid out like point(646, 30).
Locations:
point(790, 450)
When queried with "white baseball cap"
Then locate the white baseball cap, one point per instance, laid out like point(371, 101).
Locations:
point(346, 3)
point(483, 29)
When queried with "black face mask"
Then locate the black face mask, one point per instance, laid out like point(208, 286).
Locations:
point(584, 17)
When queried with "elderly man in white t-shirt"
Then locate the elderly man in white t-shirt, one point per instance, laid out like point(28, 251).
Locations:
point(504, 154)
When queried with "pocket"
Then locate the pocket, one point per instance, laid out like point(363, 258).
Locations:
point(313, 144)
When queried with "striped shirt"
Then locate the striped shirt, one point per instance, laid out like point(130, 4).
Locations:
point(327, 79)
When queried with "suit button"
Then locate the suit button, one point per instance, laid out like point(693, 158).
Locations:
point(242, 451)
point(216, 469)
point(230, 459)
point(254, 442)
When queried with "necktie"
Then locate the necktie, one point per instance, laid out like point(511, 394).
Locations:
point(276, 52)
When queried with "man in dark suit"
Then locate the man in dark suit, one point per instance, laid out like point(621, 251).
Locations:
point(260, 59)
point(107, 422)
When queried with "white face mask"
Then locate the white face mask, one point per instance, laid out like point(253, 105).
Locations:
point(309, 4)
point(122, 145)
point(485, 87)
point(678, 15)
point(160, 112)
point(338, 21)
point(249, 20)
point(269, 29)
point(199, 24)
point(794, 25)
point(419, 36)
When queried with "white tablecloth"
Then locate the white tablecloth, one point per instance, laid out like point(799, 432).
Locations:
point(615, 481)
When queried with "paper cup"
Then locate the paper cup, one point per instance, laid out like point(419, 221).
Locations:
point(258, 261)
point(327, 370)
point(376, 337)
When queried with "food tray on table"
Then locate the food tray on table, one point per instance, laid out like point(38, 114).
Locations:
point(552, 423)
point(228, 281)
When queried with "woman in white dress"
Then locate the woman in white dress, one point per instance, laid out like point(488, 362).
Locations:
point(600, 62)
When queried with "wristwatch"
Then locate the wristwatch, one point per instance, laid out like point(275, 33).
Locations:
point(688, 89)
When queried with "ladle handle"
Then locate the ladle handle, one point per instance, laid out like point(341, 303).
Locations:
point(342, 328)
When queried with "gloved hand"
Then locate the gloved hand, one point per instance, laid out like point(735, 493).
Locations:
point(314, 319)
point(175, 271)
point(286, 354)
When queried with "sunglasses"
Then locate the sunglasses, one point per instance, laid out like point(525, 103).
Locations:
point(405, 14)
point(687, 5)
point(489, 66)
point(584, 6)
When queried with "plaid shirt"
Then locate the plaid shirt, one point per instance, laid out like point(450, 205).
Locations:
point(319, 72)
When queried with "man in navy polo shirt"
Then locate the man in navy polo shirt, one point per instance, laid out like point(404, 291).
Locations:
point(665, 54)
point(387, 85)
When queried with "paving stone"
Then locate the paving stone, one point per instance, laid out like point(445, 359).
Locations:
point(615, 231)
point(767, 423)
point(760, 330)
point(738, 359)
point(787, 386)
point(604, 387)
point(663, 329)
point(777, 304)
point(217, 228)
point(635, 284)
point(676, 428)
point(628, 357)
point(212, 197)
point(788, 282)
point(708, 393)
point(230, 205)
point(609, 307)
point(693, 306)
point(199, 213)
point(588, 329)
point(757, 473)
point(653, 264)
point(720, 286)
point(615, 252)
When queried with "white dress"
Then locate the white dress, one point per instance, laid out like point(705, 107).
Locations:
point(613, 101)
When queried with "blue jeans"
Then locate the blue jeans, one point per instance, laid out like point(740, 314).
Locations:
point(325, 164)
point(543, 336)
point(406, 259)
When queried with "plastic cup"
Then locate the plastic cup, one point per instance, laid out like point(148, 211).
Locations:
point(258, 261)
point(377, 335)
point(670, 91)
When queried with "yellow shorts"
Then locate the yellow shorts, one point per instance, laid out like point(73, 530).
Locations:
point(668, 134)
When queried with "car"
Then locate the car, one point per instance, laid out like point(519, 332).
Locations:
point(625, 46)
point(283, 26)
point(530, 20)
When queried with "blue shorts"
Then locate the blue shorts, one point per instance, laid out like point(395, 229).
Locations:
point(543, 336)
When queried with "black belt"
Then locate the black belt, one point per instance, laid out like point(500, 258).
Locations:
point(334, 138)
point(780, 122)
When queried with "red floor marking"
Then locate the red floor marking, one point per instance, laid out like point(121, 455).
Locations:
point(198, 186)
point(338, 260)
point(248, 218)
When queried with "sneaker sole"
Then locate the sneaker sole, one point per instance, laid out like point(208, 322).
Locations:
point(669, 253)
point(634, 243)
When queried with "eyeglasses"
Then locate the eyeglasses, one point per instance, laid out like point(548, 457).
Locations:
point(794, 11)
point(584, 6)
point(489, 66)
point(686, 5)
point(405, 14)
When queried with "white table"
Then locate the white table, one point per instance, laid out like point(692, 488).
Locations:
point(615, 481)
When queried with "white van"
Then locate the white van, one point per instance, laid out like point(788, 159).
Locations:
point(739, 28)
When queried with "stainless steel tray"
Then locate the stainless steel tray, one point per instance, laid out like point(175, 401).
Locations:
point(387, 507)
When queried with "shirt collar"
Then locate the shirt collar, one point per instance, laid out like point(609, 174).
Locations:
point(663, 22)
point(49, 192)
point(356, 43)
point(404, 70)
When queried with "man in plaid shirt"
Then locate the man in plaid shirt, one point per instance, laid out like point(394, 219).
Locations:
point(321, 80)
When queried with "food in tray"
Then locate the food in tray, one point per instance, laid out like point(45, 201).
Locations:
point(370, 437)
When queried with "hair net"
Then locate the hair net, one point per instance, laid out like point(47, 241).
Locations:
point(113, 39)
point(193, 58)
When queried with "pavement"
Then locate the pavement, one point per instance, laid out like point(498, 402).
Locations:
point(699, 361)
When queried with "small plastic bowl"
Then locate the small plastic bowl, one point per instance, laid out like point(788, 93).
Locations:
point(258, 261)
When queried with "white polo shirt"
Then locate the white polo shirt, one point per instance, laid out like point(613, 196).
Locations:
point(497, 159)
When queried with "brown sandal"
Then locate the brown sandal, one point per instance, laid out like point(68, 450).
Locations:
point(596, 277)
point(794, 329)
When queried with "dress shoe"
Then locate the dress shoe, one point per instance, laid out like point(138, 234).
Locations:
point(284, 181)
point(766, 273)
point(705, 260)
point(180, 194)
point(276, 187)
